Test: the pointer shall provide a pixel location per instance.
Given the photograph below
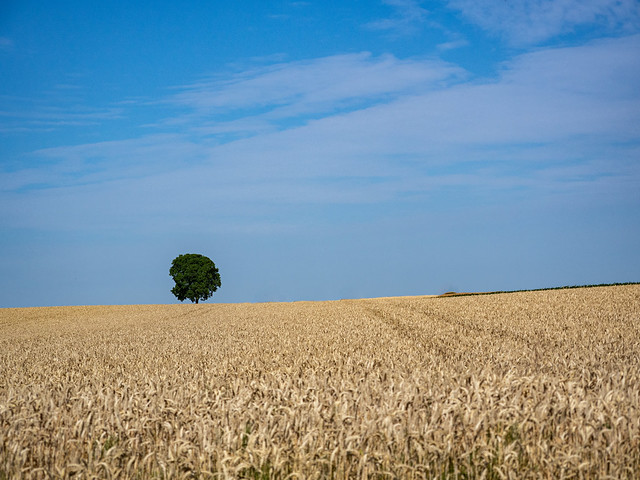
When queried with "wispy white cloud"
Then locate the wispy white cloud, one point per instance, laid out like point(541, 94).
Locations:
point(408, 15)
point(534, 21)
point(101, 163)
point(60, 106)
point(315, 87)
point(612, 69)
point(452, 45)
point(564, 120)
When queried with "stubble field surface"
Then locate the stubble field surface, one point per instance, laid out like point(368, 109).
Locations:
point(522, 385)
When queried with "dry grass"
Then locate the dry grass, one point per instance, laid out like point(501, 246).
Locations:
point(522, 385)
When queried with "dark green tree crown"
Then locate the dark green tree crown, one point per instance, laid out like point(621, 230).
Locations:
point(196, 277)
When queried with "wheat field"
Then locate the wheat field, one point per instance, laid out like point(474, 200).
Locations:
point(522, 385)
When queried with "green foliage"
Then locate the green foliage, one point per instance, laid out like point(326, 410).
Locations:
point(566, 287)
point(196, 277)
point(109, 443)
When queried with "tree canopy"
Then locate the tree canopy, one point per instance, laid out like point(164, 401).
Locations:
point(196, 277)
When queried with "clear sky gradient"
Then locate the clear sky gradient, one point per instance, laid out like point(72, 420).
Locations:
point(317, 149)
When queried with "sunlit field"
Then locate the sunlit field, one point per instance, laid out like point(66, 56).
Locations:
point(523, 385)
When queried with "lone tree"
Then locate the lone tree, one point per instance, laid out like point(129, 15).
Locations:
point(196, 277)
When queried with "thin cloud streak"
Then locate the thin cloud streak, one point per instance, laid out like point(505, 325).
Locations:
point(49, 117)
point(319, 86)
point(102, 162)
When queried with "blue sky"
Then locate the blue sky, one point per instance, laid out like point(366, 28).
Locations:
point(317, 150)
